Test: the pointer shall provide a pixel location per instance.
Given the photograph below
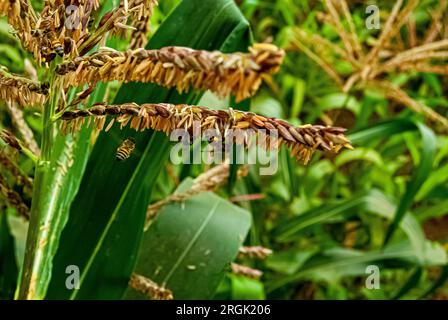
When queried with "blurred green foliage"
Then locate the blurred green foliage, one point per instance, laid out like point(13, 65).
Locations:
point(322, 219)
point(326, 222)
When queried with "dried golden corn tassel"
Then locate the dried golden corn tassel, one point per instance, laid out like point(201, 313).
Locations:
point(18, 89)
point(20, 124)
point(149, 288)
point(256, 252)
point(245, 271)
point(302, 140)
point(21, 179)
point(13, 199)
point(240, 74)
point(22, 19)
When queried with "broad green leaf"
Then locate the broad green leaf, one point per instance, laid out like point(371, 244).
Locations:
point(386, 129)
point(289, 229)
point(373, 202)
point(339, 262)
point(288, 262)
point(107, 215)
point(361, 154)
point(382, 130)
point(437, 177)
point(246, 289)
point(420, 174)
point(339, 100)
point(190, 245)
point(435, 211)
point(8, 266)
point(268, 106)
point(315, 179)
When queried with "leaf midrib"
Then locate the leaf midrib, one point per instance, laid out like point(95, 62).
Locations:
point(190, 244)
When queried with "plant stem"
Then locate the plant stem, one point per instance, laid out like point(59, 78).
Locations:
point(35, 278)
point(27, 152)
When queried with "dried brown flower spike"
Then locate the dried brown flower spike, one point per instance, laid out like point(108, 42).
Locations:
point(22, 18)
point(20, 124)
point(10, 140)
point(245, 271)
point(21, 90)
point(302, 140)
point(140, 12)
point(14, 143)
point(139, 36)
point(10, 165)
point(256, 252)
point(183, 68)
point(13, 198)
point(149, 288)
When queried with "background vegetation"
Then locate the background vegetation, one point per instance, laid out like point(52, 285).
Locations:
point(384, 203)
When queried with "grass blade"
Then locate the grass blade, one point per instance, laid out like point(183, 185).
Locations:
point(423, 170)
point(438, 283)
point(410, 284)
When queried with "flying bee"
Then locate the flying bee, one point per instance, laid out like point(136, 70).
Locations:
point(68, 45)
point(47, 54)
point(56, 45)
point(125, 149)
point(36, 33)
point(51, 41)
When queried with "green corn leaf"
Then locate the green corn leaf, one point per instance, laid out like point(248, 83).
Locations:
point(190, 245)
point(441, 280)
point(108, 214)
point(288, 262)
point(412, 282)
point(423, 170)
point(8, 266)
point(246, 289)
point(435, 211)
point(436, 178)
point(381, 130)
point(373, 202)
point(420, 174)
point(69, 155)
point(360, 154)
point(292, 227)
point(337, 262)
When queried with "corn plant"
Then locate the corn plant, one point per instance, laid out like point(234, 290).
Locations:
point(87, 212)
point(384, 204)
